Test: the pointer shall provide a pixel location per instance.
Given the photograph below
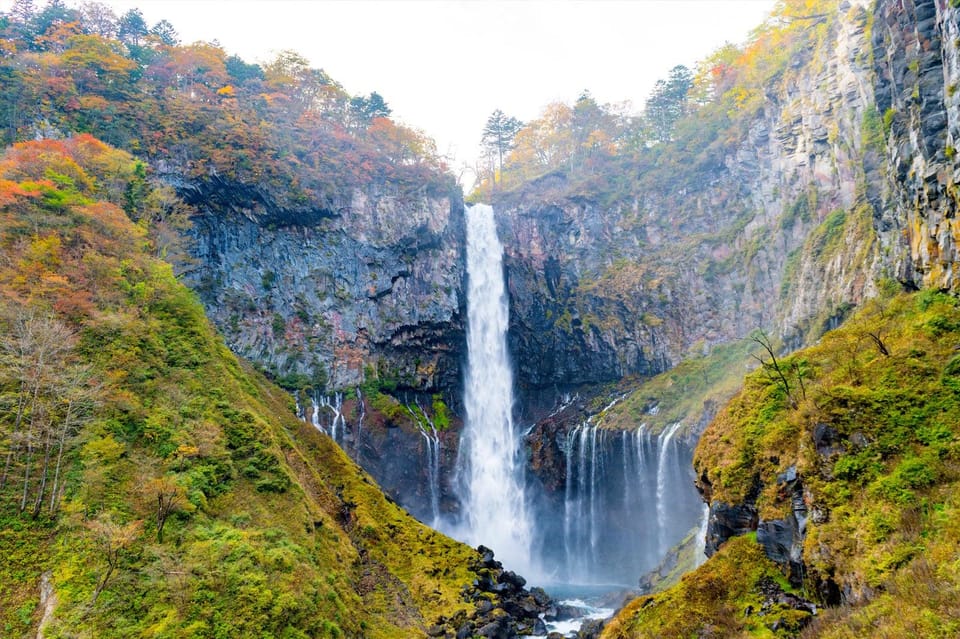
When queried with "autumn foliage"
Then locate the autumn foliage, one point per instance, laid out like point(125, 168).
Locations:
point(193, 110)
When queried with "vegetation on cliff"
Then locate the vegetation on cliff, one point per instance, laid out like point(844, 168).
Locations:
point(690, 117)
point(158, 485)
point(869, 419)
point(198, 113)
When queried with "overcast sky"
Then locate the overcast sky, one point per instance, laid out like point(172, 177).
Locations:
point(443, 65)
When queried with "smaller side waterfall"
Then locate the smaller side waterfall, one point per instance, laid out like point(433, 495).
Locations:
point(338, 425)
point(419, 483)
point(363, 413)
point(700, 555)
point(431, 440)
point(628, 498)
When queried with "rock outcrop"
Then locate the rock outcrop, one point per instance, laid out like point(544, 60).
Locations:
point(371, 286)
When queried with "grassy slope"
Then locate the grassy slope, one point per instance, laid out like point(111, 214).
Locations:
point(884, 503)
point(683, 393)
point(278, 532)
point(710, 601)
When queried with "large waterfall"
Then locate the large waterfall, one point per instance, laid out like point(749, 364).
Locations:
point(491, 478)
point(626, 498)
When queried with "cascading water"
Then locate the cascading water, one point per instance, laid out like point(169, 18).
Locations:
point(628, 498)
point(431, 440)
point(663, 485)
point(492, 489)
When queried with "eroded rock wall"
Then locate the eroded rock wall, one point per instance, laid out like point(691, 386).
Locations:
point(373, 286)
point(725, 244)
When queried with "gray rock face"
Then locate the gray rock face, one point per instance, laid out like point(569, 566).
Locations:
point(866, 127)
point(375, 284)
point(916, 52)
point(782, 539)
point(561, 334)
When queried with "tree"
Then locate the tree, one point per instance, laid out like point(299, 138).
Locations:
point(668, 102)
point(97, 18)
point(167, 496)
point(167, 34)
point(132, 27)
point(47, 396)
point(22, 16)
point(55, 13)
point(363, 110)
point(114, 540)
point(776, 371)
point(498, 134)
point(241, 71)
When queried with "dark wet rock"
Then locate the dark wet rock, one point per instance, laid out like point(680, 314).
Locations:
point(539, 627)
point(782, 539)
point(466, 630)
point(515, 581)
point(774, 594)
point(495, 630)
point(540, 596)
point(729, 520)
point(487, 558)
point(562, 612)
point(827, 440)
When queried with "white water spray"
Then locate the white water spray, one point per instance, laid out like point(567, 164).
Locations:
point(493, 493)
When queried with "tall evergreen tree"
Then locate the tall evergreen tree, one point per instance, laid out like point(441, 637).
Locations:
point(498, 135)
point(132, 27)
point(668, 102)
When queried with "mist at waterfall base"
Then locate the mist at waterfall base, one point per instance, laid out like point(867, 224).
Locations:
point(627, 497)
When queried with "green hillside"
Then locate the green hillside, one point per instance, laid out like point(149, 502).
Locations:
point(870, 420)
point(160, 486)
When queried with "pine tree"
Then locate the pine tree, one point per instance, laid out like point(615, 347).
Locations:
point(498, 135)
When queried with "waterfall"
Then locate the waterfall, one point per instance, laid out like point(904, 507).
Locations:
point(338, 425)
point(491, 477)
point(700, 553)
point(359, 436)
point(663, 485)
point(431, 440)
point(628, 498)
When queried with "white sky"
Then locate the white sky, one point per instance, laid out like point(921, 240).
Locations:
point(443, 65)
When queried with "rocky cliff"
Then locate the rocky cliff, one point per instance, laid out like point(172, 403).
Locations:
point(760, 218)
point(370, 286)
point(916, 53)
point(838, 168)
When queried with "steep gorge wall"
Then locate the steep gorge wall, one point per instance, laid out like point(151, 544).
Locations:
point(915, 50)
point(713, 243)
point(371, 286)
point(845, 172)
